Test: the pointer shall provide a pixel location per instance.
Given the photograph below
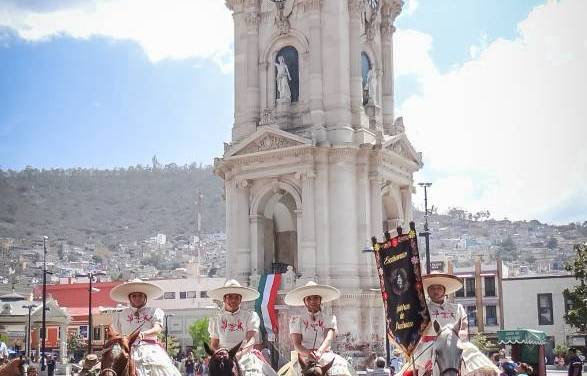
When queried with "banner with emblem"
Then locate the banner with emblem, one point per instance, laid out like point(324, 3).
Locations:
point(398, 266)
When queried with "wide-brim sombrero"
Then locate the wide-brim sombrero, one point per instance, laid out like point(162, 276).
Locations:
point(451, 283)
point(296, 296)
point(234, 287)
point(120, 293)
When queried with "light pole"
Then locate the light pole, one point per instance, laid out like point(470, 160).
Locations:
point(44, 327)
point(27, 338)
point(166, 329)
point(426, 233)
point(90, 277)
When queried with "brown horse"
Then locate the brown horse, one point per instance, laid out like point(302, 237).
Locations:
point(310, 367)
point(223, 361)
point(13, 368)
point(116, 357)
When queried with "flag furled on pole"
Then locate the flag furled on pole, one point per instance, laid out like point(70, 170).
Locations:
point(265, 304)
point(398, 266)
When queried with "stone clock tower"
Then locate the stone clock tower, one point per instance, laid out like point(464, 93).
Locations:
point(317, 162)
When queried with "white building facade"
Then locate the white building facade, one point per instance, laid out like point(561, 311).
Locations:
point(538, 303)
point(317, 163)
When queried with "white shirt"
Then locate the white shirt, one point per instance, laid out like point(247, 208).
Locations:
point(312, 327)
point(3, 350)
point(231, 327)
point(129, 319)
point(446, 313)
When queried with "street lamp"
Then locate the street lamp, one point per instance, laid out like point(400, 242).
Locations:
point(44, 325)
point(27, 338)
point(426, 233)
point(166, 329)
point(90, 276)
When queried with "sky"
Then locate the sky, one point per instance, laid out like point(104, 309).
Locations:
point(491, 92)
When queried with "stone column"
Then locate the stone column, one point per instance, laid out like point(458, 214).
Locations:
point(406, 197)
point(355, 61)
point(322, 214)
point(316, 94)
point(38, 336)
point(257, 257)
point(375, 183)
point(307, 261)
point(252, 26)
point(389, 11)
point(364, 217)
point(344, 247)
point(243, 232)
point(63, 343)
point(229, 192)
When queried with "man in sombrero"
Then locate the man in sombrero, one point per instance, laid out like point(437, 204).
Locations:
point(234, 325)
point(437, 286)
point(149, 357)
point(312, 330)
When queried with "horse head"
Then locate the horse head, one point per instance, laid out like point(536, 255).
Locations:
point(310, 367)
point(116, 356)
point(223, 362)
point(13, 368)
point(448, 352)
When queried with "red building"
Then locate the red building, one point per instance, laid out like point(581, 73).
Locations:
point(75, 299)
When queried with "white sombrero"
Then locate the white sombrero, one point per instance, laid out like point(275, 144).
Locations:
point(451, 283)
point(296, 296)
point(234, 287)
point(120, 293)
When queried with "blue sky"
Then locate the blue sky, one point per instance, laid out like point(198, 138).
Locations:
point(77, 91)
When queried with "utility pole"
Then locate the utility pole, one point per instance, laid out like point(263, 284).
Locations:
point(90, 277)
point(426, 233)
point(44, 327)
point(27, 338)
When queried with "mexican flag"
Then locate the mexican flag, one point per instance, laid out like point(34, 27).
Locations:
point(265, 305)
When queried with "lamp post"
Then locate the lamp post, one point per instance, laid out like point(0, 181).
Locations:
point(166, 329)
point(44, 327)
point(426, 233)
point(27, 338)
point(90, 277)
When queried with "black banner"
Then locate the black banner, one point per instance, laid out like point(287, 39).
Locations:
point(398, 266)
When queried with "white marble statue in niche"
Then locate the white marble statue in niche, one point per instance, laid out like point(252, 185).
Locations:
point(371, 87)
point(282, 78)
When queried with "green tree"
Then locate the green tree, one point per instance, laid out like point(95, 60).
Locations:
point(577, 296)
point(199, 333)
point(482, 343)
point(172, 344)
point(4, 338)
point(561, 349)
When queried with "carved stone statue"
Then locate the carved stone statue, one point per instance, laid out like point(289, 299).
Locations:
point(282, 78)
point(371, 87)
point(254, 279)
point(289, 278)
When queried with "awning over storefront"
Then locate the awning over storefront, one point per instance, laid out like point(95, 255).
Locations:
point(521, 336)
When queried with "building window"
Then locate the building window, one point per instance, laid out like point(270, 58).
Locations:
point(470, 287)
point(545, 309)
point(169, 295)
point(83, 331)
point(472, 316)
point(203, 294)
point(460, 293)
point(490, 286)
point(491, 315)
point(97, 333)
point(182, 294)
point(192, 294)
point(290, 55)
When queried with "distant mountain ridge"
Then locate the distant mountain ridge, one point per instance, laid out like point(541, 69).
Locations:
point(109, 206)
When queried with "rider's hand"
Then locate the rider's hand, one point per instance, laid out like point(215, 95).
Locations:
point(141, 335)
point(316, 354)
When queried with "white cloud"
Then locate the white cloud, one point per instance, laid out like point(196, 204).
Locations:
point(165, 29)
point(507, 130)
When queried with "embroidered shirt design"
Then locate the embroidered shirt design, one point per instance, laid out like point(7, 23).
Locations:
point(237, 326)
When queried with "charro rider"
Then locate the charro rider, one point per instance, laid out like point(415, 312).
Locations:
point(312, 330)
point(438, 286)
point(149, 357)
point(234, 325)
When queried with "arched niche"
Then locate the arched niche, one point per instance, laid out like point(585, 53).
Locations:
point(366, 65)
point(392, 209)
point(276, 207)
point(291, 57)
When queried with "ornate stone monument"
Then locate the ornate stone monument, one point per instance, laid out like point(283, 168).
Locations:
point(309, 179)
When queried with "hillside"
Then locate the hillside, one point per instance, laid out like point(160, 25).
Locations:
point(109, 206)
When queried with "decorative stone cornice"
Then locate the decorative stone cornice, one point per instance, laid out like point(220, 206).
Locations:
point(342, 155)
point(252, 18)
point(311, 5)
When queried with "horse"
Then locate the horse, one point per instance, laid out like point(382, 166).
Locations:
point(223, 362)
point(116, 357)
point(454, 357)
point(310, 367)
point(13, 368)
